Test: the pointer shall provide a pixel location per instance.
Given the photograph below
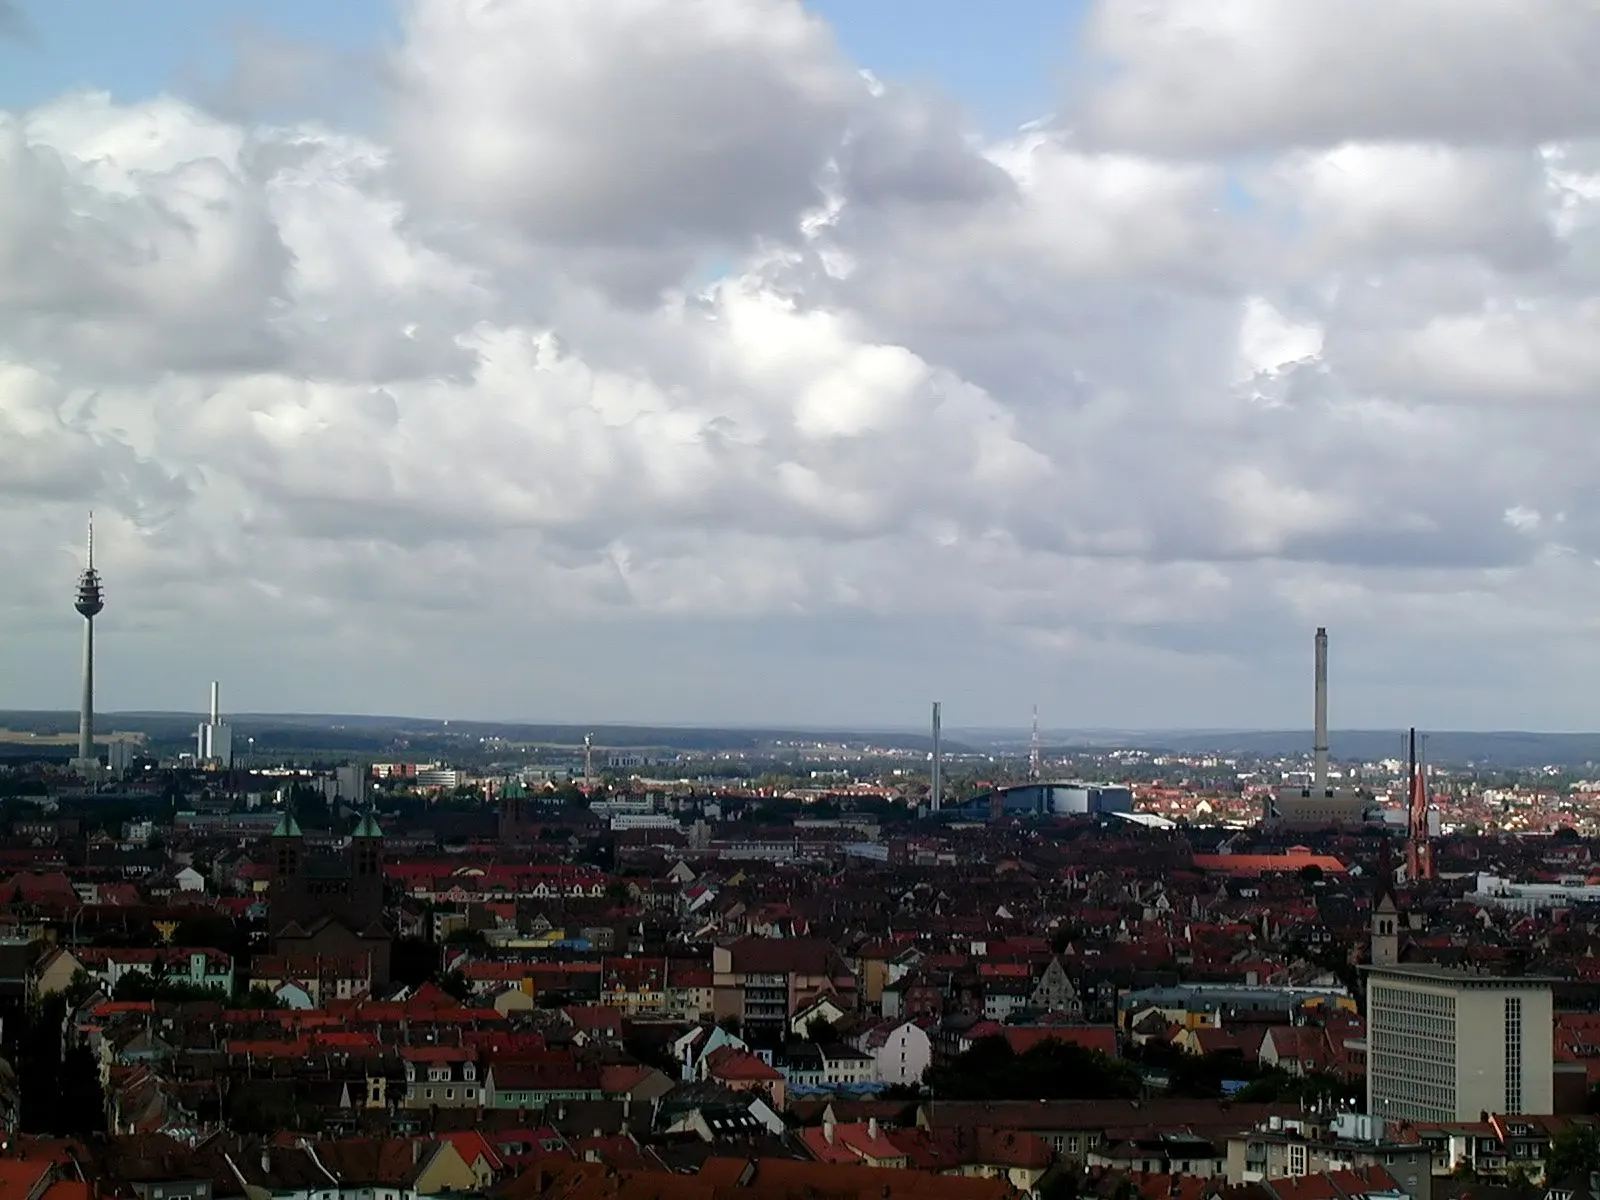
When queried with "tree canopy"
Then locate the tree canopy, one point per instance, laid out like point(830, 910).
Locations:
point(1051, 1070)
point(1574, 1153)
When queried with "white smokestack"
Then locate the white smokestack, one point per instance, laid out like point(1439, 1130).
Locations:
point(936, 790)
point(1319, 746)
point(216, 702)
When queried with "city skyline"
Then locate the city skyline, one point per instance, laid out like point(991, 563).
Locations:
point(410, 363)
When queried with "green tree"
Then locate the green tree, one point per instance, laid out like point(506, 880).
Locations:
point(1052, 1070)
point(1275, 1086)
point(1574, 1154)
point(821, 1031)
point(454, 983)
point(60, 1084)
point(1059, 1184)
point(258, 997)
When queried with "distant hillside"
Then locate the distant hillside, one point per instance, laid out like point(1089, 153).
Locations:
point(377, 736)
point(1508, 749)
point(372, 735)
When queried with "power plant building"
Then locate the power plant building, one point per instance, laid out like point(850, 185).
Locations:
point(1320, 805)
point(214, 738)
point(1068, 798)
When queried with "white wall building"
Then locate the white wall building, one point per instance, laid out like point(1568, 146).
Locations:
point(1445, 1045)
point(214, 739)
point(901, 1052)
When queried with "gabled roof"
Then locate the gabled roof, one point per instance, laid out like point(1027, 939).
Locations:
point(368, 827)
point(287, 826)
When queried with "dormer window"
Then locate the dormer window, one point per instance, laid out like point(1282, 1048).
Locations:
point(469, 1072)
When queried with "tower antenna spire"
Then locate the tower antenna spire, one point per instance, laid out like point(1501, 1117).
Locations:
point(89, 602)
point(1035, 757)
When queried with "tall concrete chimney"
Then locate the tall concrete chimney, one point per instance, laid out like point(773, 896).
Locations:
point(216, 702)
point(936, 788)
point(1319, 745)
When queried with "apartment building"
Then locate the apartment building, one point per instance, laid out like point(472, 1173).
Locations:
point(1448, 1045)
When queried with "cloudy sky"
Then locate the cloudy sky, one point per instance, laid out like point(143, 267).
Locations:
point(739, 361)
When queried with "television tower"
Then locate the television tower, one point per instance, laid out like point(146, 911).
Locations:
point(89, 603)
point(1035, 758)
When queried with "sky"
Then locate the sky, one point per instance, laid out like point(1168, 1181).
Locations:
point(745, 361)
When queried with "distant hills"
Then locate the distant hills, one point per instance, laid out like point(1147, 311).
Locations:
point(378, 735)
point(1508, 748)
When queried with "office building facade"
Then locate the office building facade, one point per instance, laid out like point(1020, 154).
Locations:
point(1446, 1045)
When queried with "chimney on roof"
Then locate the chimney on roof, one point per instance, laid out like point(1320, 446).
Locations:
point(872, 1128)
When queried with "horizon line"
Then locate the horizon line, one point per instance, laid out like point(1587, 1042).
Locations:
point(809, 727)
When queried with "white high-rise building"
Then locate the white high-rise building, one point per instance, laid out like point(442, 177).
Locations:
point(214, 739)
point(1447, 1045)
point(350, 784)
point(119, 757)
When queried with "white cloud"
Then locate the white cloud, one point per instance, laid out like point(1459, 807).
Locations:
point(1223, 76)
point(651, 360)
point(629, 123)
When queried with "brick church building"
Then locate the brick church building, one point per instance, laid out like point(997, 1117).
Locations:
point(329, 905)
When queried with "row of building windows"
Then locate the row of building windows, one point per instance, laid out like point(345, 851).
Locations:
point(1514, 1054)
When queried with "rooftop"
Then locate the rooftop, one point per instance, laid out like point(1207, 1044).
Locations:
point(1457, 977)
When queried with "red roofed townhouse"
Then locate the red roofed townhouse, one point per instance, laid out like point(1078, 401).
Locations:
point(1296, 858)
point(1297, 1049)
point(194, 966)
point(537, 1083)
point(26, 1178)
point(744, 1072)
point(635, 985)
point(46, 894)
point(322, 977)
point(488, 1166)
point(762, 981)
point(442, 1077)
point(863, 1144)
point(1101, 1039)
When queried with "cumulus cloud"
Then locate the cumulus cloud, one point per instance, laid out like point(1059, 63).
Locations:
point(651, 359)
point(1224, 76)
point(628, 123)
